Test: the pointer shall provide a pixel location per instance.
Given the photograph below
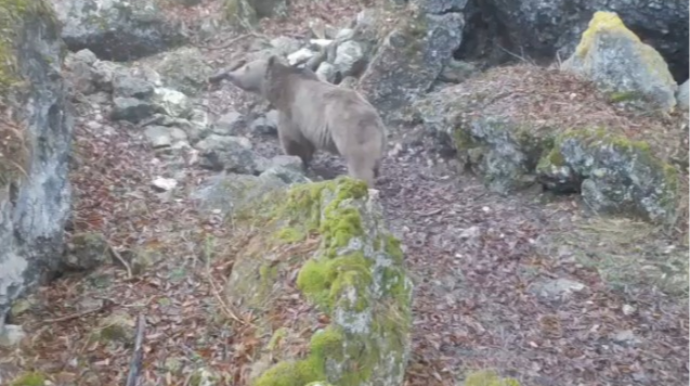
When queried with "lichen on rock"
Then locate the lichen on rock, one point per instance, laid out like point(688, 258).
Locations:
point(409, 60)
point(329, 237)
point(614, 174)
point(620, 63)
point(550, 127)
point(36, 136)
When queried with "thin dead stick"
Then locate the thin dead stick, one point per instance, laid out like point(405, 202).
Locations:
point(216, 294)
point(122, 260)
point(72, 316)
point(138, 356)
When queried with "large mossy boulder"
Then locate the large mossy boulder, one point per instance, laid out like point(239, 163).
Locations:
point(36, 129)
point(325, 279)
point(621, 64)
point(522, 125)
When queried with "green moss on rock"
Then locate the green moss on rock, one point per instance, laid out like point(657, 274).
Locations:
point(488, 378)
point(354, 275)
point(29, 379)
point(12, 14)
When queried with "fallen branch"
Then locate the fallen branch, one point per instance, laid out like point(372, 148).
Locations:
point(138, 355)
point(122, 260)
point(73, 316)
point(216, 293)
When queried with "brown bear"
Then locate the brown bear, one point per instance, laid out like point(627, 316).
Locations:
point(313, 114)
point(248, 76)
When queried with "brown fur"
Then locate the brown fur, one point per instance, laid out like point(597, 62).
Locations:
point(249, 76)
point(318, 115)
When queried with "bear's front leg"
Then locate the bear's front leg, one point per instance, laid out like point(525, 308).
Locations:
point(293, 142)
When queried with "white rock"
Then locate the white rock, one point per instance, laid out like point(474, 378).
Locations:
point(164, 184)
point(11, 335)
point(300, 56)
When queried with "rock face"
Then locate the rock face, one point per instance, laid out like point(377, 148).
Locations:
point(183, 70)
point(541, 28)
point(409, 60)
point(550, 127)
point(34, 189)
point(331, 237)
point(616, 59)
point(117, 30)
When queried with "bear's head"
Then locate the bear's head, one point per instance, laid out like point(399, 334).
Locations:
point(250, 76)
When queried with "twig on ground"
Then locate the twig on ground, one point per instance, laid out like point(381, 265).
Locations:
point(138, 355)
point(73, 316)
point(216, 293)
point(122, 260)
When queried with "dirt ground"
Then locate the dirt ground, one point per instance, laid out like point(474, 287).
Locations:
point(477, 260)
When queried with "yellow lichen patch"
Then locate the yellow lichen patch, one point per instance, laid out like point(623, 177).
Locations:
point(602, 21)
point(609, 23)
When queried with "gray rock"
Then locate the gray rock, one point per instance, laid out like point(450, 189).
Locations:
point(34, 201)
point(349, 58)
point(683, 96)
point(86, 251)
point(457, 71)
point(132, 109)
point(287, 162)
point(184, 70)
point(626, 338)
point(161, 136)
point(79, 75)
point(326, 72)
point(442, 6)
point(345, 34)
point(225, 192)
point(514, 148)
point(266, 125)
point(615, 58)
point(117, 29)
point(229, 123)
point(125, 85)
point(286, 174)
point(349, 82)
point(555, 289)
point(233, 154)
point(300, 56)
point(409, 61)
point(11, 335)
point(172, 102)
point(613, 175)
point(187, 3)
point(285, 45)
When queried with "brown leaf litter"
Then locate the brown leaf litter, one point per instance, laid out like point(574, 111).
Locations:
point(473, 255)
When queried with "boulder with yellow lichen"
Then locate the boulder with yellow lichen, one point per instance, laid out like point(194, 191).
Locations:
point(622, 65)
point(323, 277)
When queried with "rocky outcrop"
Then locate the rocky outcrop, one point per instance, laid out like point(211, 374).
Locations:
point(36, 129)
point(117, 30)
point(517, 126)
point(409, 60)
point(631, 71)
point(323, 251)
point(540, 29)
